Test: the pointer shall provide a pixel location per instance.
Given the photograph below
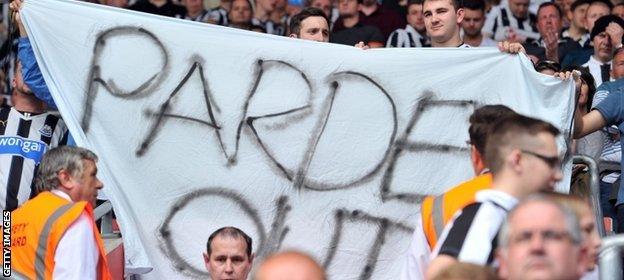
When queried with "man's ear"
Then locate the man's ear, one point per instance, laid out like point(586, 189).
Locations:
point(65, 179)
point(251, 259)
point(293, 35)
point(460, 15)
point(206, 261)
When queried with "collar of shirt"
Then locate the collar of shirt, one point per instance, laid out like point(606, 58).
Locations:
point(592, 60)
point(61, 194)
point(497, 197)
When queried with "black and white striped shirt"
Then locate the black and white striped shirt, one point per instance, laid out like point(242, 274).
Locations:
point(24, 138)
point(500, 19)
point(218, 16)
point(471, 235)
point(407, 38)
point(203, 16)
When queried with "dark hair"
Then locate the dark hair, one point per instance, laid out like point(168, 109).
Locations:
point(457, 4)
point(475, 5)
point(578, 3)
point(548, 4)
point(481, 123)
point(414, 2)
point(547, 64)
point(295, 21)
point(588, 79)
point(606, 2)
point(509, 132)
point(231, 232)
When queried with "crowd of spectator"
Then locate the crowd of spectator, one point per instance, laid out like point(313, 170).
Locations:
point(505, 223)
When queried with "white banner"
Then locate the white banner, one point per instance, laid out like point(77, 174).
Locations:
point(304, 145)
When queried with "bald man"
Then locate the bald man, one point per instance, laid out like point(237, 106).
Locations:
point(290, 265)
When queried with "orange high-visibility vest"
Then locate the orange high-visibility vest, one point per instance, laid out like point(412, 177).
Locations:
point(437, 211)
point(36, 230)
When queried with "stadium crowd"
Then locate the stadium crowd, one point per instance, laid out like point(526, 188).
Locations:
point(505, 223)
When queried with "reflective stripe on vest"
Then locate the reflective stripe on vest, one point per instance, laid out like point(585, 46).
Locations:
point(42, 247)
point(437, 214)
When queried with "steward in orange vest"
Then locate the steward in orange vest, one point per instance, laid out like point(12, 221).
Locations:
point(37, 228)
point(438, 210)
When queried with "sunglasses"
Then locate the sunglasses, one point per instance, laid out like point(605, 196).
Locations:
point(552, 162)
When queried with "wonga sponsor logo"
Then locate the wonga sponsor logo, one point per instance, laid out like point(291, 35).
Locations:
point(15, 145)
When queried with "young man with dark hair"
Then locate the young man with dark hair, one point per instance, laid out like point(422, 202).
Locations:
point(414, 35)
point(438, 210)
point(228, 254)
point(310, 24)
point(474, 19)
point(349, 30)
point(522, 155)
point(577, 31)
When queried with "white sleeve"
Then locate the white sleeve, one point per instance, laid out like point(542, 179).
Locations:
point(418, 254)
point(77, 254)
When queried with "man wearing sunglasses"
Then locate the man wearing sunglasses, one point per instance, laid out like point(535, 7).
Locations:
point(522, 155)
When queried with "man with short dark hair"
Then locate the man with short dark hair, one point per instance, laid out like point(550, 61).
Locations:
point(474, 19)
point(414, 35)
point(61, 214)
point(541, 239)
point(512, 22)
point(522, 155)
point(606, 36)
point(437, 211)
point(443, 20)
point(577, 31)
point(310, 24)
point(550, 46)
point(349, 30)
point(228, 254)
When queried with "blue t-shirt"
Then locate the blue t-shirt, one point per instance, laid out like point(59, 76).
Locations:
point(612, 110)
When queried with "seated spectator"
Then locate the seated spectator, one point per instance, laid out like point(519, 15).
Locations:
point(468, 271)
point(606, 36)
point(512, 22)
point(67, 186)
point(414, 35)
point(348, 29)
point(240, 16)
point(310, 24)
point(595, 10)
point(382, 17)
point(550, 45)
point(159, 7)
point(228, 254)
point(219, 15)
point(195, 11)
point(262, 17)
point(618, 10)
point(576, 30)
point(474, 19)
point(280, 16)
point(522, 155)
point(290, 265)
point(541, 240)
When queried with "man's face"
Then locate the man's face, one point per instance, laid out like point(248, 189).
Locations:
point(578, 15)
point(594, 12)
point(240, 13)
point(540, 246)
point(540, 173)
point(520, 8)
point(590, 236)
point(473, 22)
point(314, 29)
point(617, 71)
point(347, 8)
point(85, 188)
point(324, 5)
point(267, 5)
point(618, 11)
point(603, 49)
point(441, 19)
point(228, 259)
point(415, 17)
point(193, 5)
point(548, 20)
